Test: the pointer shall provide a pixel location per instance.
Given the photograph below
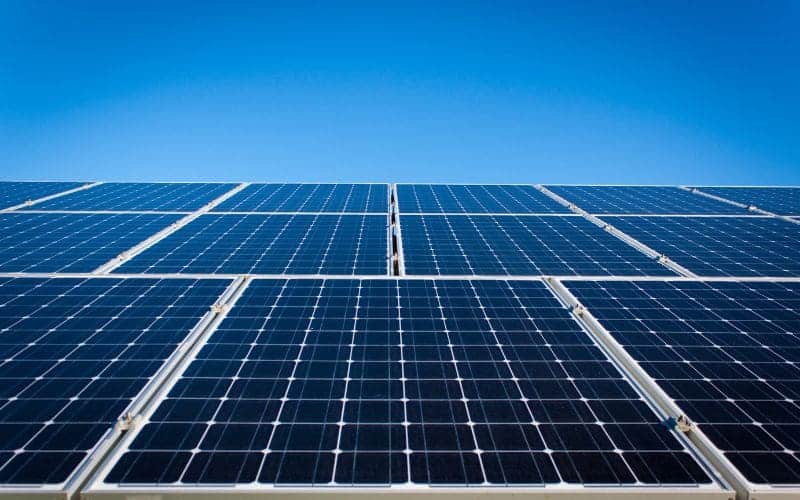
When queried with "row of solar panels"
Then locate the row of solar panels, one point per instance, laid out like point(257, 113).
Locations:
point(246, 385)
point(565, 245)
point(319, 243)
point(412, 198)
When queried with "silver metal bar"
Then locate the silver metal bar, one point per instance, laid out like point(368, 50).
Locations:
point(401, 261)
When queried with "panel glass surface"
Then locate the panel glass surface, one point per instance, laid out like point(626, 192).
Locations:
point(57, 242)
point(728, 353)
point(480, 199)
point(518, 245)
point(642, 200)
point(778, 200)
point(387, 382)
point(720, 246)
point(270, 244)
point(139, 196)
point(75, 352)
point(15, 193)
point(309, 198)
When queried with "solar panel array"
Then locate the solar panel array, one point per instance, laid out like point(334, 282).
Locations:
point(347, 382)
point(161, 339)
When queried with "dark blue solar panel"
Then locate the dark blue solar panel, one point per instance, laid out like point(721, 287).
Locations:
point(346, 382)
point(74, 353)
point(455, 198)
point(16, 193)
point(512, 245)
point(720, 246)
point(728, 353)
point(642, 200)
point(139, 196)
point(309, 198)
point(46, 242)
point(778, 200)
point(271, 244)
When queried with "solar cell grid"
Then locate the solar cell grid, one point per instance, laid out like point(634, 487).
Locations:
point(15, 193)
point(726, 352)
point(380, 382)
point(456, 198)
point(778, 200)
point(642, 200)
point(271, 244)
point(356, 198)
point(74, 353)
point(47, 242)
point(131, 196)
point(721, 246)
point(518, 245)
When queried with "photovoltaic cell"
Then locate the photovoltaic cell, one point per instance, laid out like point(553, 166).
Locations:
point(518, 245)
point(456, 198)
point(270, 244)
point(778, 200)
point(74, 353)
point(15, 193)
point(130, 196)
point(642, 200)
point(728, 353)
point(47, 242)
point(720, 246)
point(386, 382)
point(358, 198)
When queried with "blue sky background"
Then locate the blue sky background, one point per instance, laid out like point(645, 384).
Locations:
point(595, 92)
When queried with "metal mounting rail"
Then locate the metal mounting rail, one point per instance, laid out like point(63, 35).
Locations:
point(397, 235)
point(751, 208)
point(50, 197)
point(632, 369)
point(630, 240)
point(152, 240)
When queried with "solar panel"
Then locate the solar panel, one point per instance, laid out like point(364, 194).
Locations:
point(720, 246)
point(518, 245)
point(726, 352)
point(74, 354)
point(48, 242)
point(778, 200)
point(357, 198)
point(16, 193)
point(401, 382)
point(119, 196)
point(642, 200)
point(271, 244)
point(481, 199)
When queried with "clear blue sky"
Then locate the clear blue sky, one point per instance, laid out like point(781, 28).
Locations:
point(594, 92)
